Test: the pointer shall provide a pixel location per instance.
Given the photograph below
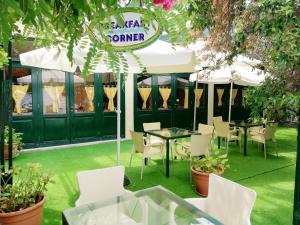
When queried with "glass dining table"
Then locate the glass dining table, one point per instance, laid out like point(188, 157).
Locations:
point(152, 206)
point(169, 134)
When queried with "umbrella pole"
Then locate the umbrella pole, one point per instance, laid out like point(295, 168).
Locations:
point(119, 119)
point(229, 113)
point(195, 104)
point(126, 180)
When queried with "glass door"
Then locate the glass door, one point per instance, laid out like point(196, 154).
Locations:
point(163, 99)
point(22, 94)
point(55, 118)
point(83, 107)
point(144, 103)
point(182, 111)
point(109, 92)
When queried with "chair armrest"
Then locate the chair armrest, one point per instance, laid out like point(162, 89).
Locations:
point(234, 130)
point(153, 145)
point(184, 145)
point(258, 132)
point(197, 202)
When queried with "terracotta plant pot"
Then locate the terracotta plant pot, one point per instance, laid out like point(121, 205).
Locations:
point(15, 151)
point(28, 216)
point(201, 181)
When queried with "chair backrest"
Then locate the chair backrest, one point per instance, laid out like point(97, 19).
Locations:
point(100, 184)
point(151, 126)
point(138, 141)
point(205, 129)
point(222, 129)
point(270, 131)
point(200, 144)
point(229, 202)
point(217, 119)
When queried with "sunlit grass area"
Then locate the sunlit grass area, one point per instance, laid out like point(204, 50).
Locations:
point(272, 179)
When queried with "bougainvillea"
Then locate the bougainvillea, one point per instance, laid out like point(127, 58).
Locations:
point(166, 4)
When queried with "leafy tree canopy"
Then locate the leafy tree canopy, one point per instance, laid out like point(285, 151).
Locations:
point(268, 30)
point(66, 21)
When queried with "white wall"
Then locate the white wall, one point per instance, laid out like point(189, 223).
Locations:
point(210, 105)
point(129, 105)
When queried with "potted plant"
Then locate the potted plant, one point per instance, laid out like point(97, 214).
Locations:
point(17, 142)
point(21, 203)
point(201, 168)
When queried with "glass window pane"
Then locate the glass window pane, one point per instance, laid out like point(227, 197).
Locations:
point(84, 93)
point(109, 92)
point(182, 94)
point(164, 92)
point(22, 91)
point(54, 92)
point(144, 92)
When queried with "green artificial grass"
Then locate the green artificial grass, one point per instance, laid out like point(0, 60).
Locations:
point(272, 179)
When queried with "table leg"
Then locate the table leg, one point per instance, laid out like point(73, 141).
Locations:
point(245, 140)
point(167, 158)
point(219, 142)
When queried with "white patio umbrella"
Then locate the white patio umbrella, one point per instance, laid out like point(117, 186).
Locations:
point(241, 72)
point(162, 80)
point(159, 57)
point(51, 76)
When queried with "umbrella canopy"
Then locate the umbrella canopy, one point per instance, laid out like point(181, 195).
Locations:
point(241, 72)
point(159, 57)
point(51, 76)
point(162, 80)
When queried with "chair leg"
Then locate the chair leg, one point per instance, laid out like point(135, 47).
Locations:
point(227, 142)
point(240, 145)
point(190, 170)
point(142, 170)
point(163, 163)
point(276, 148)
point(265, 150)
point(130, 160)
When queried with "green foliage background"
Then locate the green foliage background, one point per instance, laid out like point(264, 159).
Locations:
point(268, 30)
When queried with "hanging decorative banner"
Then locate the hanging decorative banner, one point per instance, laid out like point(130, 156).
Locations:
point(138, 29)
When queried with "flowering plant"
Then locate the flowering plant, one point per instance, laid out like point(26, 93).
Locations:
point(166, 4)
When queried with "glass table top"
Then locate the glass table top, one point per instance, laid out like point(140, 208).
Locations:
point(245, 124)
point(171, 133)
point(152, 206)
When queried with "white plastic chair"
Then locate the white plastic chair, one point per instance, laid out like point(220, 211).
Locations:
point(222, 130)
point(217, 119)
point(207, 129)
point(262, 135)
point(100, 184)
point(147, 150)
point(227, 201)
point(153, 140)
point(198, 146)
